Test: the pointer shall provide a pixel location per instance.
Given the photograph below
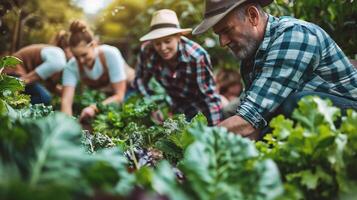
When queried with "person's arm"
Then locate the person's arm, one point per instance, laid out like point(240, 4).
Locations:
point(118, 97)
point(279, 74)
point(70, 77)
point(67, 99)
point(117, 75)
point(213, 104)
point(119, 93)
point(237, 124)
point(30, 77)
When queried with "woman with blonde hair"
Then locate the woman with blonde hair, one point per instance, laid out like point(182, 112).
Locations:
point(180, 65)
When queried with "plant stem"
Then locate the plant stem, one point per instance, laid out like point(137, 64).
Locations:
point(133, 155)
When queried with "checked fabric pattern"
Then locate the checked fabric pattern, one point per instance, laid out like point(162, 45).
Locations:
point(190, 84)
point(294, 56)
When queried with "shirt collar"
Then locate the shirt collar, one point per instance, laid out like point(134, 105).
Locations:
point(182, 56)
point(267, 34)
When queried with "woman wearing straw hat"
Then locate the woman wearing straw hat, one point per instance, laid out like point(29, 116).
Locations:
point(180, 65)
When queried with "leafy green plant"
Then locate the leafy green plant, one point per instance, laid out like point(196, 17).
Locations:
point(35, 111)
point(176, 137)
point(133, 119)
point(216, 165)
point(47, 153)
point(222, 165)
point(85, 97)
point(45, 156)
point(131, 126)
point(113, 119)
point(10, 87)
point(315, 152)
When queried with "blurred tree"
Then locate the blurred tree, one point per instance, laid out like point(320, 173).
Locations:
point(116, 23)
point(34, 21)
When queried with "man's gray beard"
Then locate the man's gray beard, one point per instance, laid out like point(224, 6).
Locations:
point(246, 51)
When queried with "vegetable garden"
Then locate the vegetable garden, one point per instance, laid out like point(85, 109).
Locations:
point(126, 153)
point(130, 155)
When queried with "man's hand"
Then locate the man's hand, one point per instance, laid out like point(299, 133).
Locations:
point(87, 113)
point(238, 125)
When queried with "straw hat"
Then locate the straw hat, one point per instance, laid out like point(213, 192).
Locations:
point(217, 9)
point(164, 23)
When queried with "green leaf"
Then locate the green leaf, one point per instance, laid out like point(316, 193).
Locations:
point(337, 158)
point(51, 154)
point(216, 165)
point(313, 112)
point(9, 61)
point(313, 155)
point(10, 88)
point(329, 112)
point(282, 127)
point(3, 109)
point(199, 118)
point(309, 179)
point(164, 182)
point(349, 123)
point(11, 84)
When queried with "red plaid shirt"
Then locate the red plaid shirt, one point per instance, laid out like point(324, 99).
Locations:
point(190, 85)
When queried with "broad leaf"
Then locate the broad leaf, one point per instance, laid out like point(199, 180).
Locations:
point(217, 163)
point(9, 61)
point(48, 151)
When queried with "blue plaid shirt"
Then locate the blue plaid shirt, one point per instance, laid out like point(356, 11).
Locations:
point(190, 84)
point(294, 56)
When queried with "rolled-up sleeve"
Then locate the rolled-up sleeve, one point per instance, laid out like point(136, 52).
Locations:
point(279, 74)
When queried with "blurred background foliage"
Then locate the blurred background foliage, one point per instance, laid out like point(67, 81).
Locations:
point(131, 20)
point(24, 22)
point(123, 22)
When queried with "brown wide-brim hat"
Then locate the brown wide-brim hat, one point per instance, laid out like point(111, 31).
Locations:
point(217, 9)
point(164, 23)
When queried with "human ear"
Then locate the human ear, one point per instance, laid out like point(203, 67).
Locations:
point(253, 15)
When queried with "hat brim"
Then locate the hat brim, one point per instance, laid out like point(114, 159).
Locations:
point(209, 22)
point(163, 32)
